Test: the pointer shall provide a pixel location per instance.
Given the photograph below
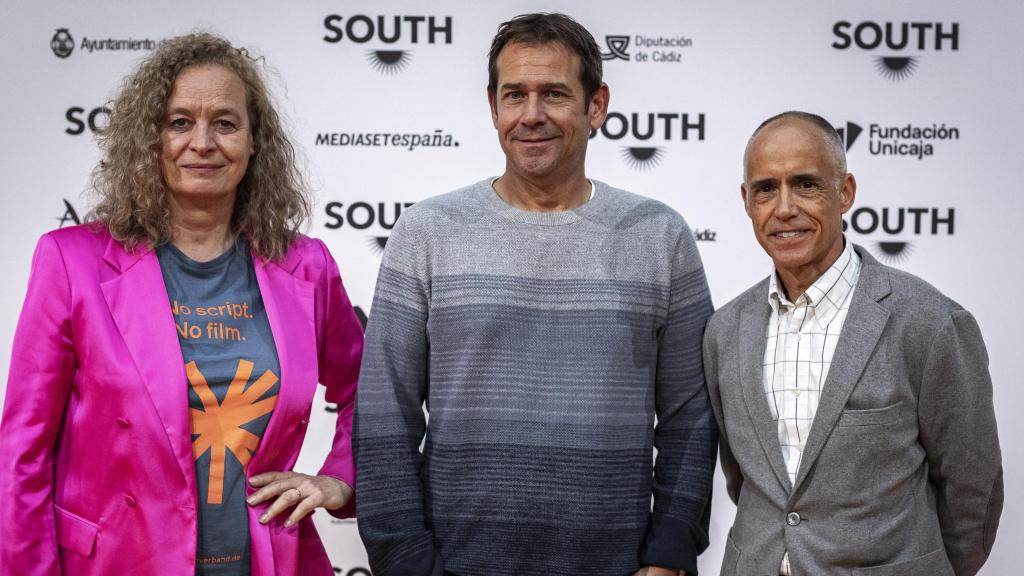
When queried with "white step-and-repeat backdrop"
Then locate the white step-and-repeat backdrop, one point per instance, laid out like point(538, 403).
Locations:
point(927, 95)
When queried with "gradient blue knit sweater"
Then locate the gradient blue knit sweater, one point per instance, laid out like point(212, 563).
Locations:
point(543, 346)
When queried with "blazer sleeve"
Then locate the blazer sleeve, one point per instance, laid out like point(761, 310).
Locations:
point(958, 430)
point(41, 374)
point(340, 347)
point(730, 467)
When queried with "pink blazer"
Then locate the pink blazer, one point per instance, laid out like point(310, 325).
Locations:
point(96, 468)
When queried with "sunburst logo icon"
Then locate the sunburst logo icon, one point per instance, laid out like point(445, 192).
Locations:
point(217, 428)
point(642, 157)
point(894, 252)
point(389, 61)
point(377, 244)
point(896, 68)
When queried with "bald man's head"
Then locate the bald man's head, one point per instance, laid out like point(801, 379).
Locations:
point(795, 190)
point(830, 138)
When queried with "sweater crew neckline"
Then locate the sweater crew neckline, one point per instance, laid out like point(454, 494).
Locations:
point(556, 218)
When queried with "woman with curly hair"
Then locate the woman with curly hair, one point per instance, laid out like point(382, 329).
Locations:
point(168, 351)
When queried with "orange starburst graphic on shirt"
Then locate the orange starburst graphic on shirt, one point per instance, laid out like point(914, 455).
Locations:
point(219, 424)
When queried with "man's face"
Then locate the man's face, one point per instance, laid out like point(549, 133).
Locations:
point(795, 193)
point(541, 113)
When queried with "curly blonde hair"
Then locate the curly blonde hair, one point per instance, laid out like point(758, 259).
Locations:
point(271, 204)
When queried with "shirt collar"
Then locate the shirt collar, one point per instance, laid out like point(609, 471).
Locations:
point(828, 292)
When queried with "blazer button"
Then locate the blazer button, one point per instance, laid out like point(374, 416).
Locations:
point(124, 423)
point(129, 501)
point(793, 519)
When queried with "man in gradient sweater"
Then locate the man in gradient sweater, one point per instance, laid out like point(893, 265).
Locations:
point(552, 327)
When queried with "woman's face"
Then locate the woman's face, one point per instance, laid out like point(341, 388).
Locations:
point(205, 137)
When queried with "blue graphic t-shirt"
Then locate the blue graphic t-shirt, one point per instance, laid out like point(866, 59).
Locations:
point(232, 373)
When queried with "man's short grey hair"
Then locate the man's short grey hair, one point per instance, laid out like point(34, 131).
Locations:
point(828, 132)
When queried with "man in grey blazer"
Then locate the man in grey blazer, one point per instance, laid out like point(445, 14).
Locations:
point(854, 400)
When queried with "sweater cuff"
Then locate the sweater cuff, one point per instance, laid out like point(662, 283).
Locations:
point(346, 511)
point(672, 543)
point(349, 509)
point(438, 565)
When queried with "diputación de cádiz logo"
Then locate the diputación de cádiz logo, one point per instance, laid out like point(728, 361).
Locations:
point(646, 48)
point(617, 48)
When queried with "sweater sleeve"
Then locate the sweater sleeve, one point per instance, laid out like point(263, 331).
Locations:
point(686, 436)
point(390, 422)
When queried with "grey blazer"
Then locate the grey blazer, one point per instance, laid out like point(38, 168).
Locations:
point(901, 474)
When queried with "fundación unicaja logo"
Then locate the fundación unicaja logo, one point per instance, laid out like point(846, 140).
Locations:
point(902, 140)
point(849, 134)
point(62, 43)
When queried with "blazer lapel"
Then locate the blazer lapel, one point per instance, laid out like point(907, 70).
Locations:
point(752, 338)
point(864, 324)
point(290, 311)
point(138, 303)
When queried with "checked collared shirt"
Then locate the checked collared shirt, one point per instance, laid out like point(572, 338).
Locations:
point(802, 339)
